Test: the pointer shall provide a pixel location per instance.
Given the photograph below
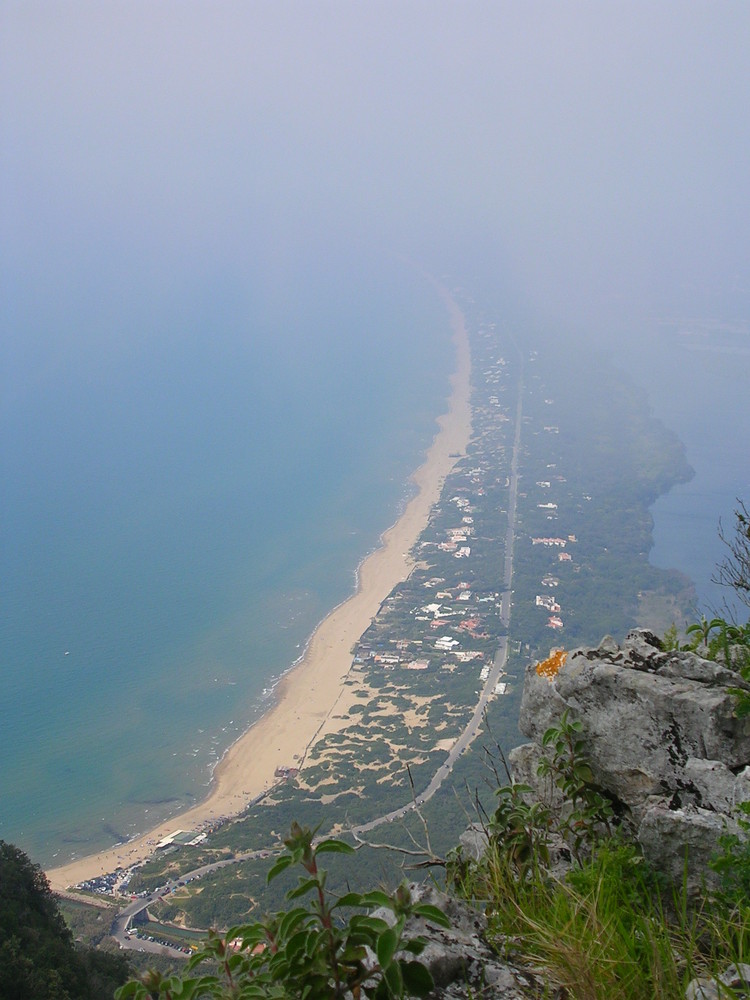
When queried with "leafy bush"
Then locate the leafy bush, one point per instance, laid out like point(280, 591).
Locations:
point(732, 863)
point(521, 828)
point(729, 644)
point(586, 810)
point(38, 957)
point(313, 951)
point(611, 928)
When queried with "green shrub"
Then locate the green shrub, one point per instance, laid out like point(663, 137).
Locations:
point(611, 929)
point(309, 951)
point(732, 863)
point(586, 811)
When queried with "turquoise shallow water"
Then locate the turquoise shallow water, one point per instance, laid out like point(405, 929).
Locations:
point(181, 507)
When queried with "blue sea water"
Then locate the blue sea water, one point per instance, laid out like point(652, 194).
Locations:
point(189, 483)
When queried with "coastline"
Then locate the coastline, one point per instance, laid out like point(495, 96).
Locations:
point(310, 691)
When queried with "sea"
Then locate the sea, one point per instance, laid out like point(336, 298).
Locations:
point(188, 490)
point(190, 479)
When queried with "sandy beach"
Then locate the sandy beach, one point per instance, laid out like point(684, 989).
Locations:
point(314, 689)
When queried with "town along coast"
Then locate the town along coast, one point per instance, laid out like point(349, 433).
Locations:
point(434, 678)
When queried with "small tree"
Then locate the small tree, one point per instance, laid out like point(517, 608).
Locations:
point(734, 570)
point(309, 952)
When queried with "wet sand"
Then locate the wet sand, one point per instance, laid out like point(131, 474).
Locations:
point(314, 689)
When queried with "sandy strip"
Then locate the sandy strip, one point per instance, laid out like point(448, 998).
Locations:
point(308, 694)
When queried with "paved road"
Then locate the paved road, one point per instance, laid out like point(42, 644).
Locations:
point(122, 922)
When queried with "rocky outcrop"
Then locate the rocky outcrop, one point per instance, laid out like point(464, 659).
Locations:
point(664, 745)
point(661, 737)
point(734, 982)
point(461, 963)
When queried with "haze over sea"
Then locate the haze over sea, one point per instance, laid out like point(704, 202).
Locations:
point(216, 374)
point(183, 518)
point(696, 372)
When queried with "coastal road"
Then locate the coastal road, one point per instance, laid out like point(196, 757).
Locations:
point(120, 929)
point(122, 923)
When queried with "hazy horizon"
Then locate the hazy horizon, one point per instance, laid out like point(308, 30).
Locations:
point(588, 159)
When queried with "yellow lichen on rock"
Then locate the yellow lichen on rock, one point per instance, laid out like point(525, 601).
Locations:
point(548, 668)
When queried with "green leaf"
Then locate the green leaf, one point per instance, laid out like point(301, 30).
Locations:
point(306, 885)
point(131, 989)
point(377, 898)
point(170, 985)
point(356, 938)
point(361, 921)
point(431, 913)
point(350, 899)
point(298, 942)
point(415, 946)
point(185, 988)
point(281, 865)
point(241, 932)
point(250, 935)
point(334, 847)
point(233, 961)
point(196, 959)
point(392, 976)
point(353, 953)
point(381, 991)
point(417, 979)
point(387, 945)
point(290, 921)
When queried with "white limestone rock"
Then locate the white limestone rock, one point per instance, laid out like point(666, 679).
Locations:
point(661, 737)
point(461, 962)
point(644, 716)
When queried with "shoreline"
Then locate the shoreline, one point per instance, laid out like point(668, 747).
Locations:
point(308, 693)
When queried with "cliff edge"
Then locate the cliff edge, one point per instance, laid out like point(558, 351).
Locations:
point(661, 737)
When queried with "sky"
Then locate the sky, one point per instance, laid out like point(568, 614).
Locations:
point(590, 158)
